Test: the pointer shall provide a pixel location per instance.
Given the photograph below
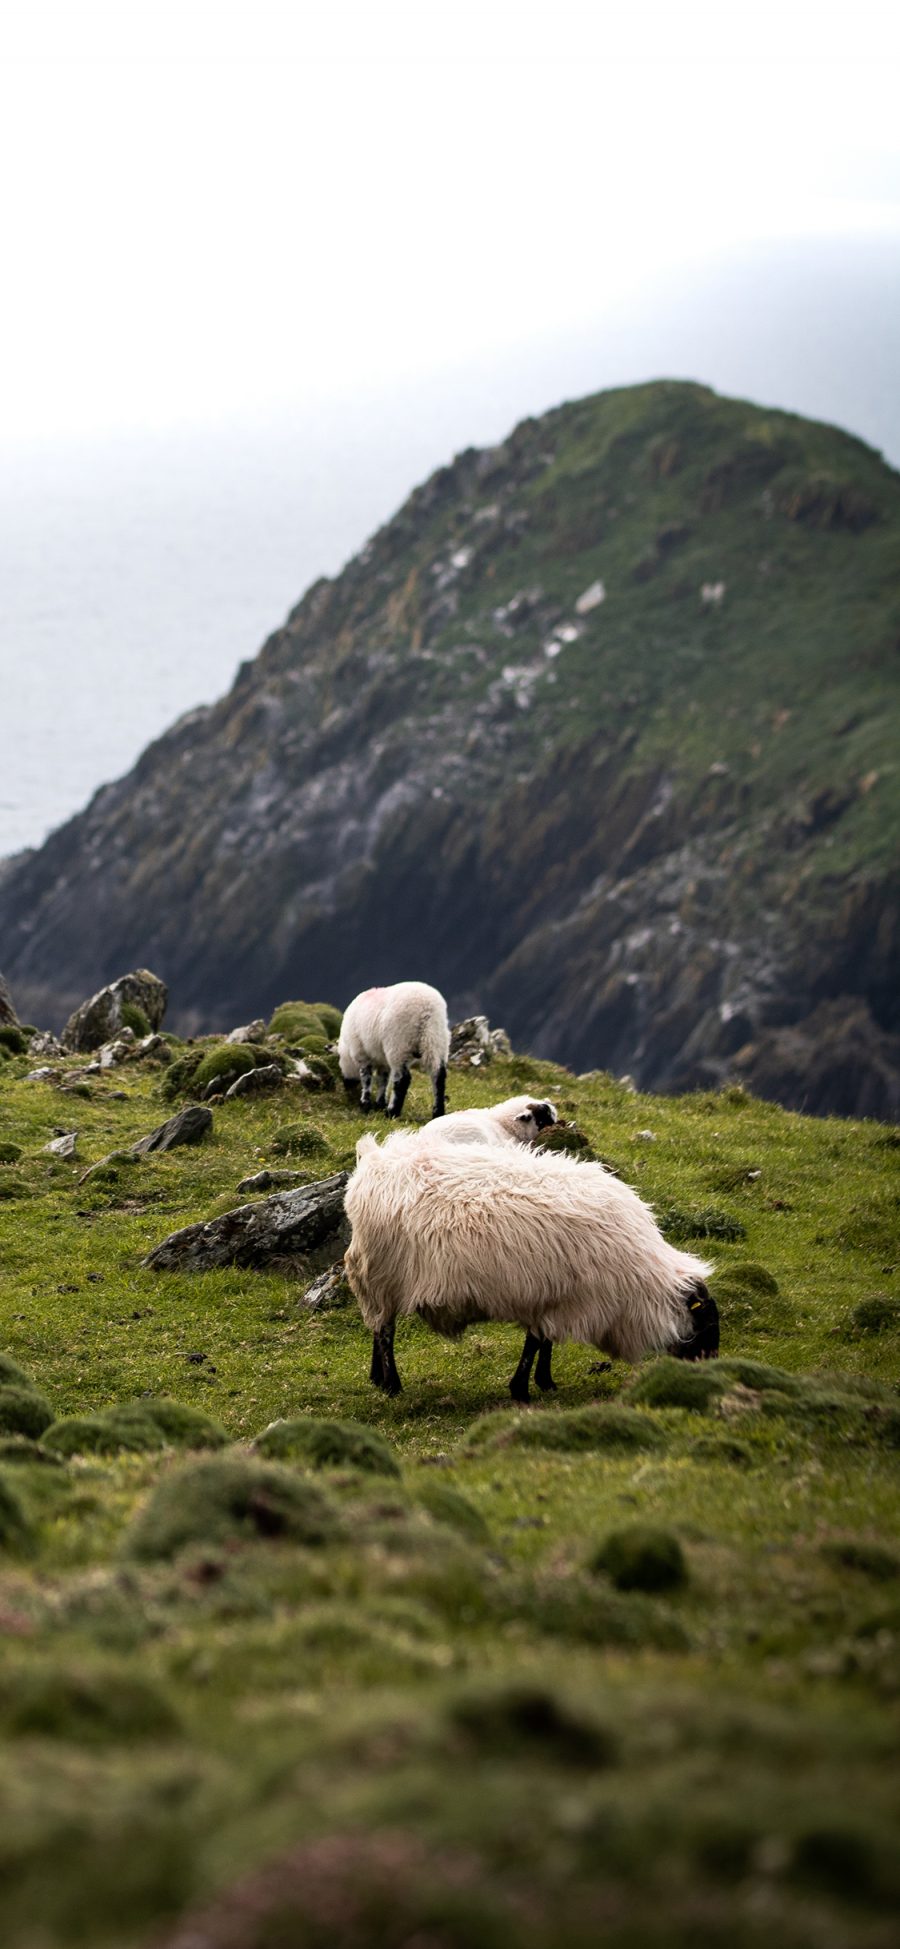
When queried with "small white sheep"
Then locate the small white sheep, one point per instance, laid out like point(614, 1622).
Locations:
point(461, 1233)
point(383, 1031)
point(519, 1120)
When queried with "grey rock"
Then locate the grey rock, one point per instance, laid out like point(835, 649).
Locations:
point(257, 1081)
point(269, 1180)
point(329, 1289)
point(251, 1032)
point(100, 1018)
point(470, 1043)
point(45, 1044)
point(188, 1127)
point(63, 1146)
point(290, 1224)
point(44, 1075)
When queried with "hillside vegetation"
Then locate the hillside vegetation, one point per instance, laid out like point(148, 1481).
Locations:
point(622, 1666)
point(599, 731)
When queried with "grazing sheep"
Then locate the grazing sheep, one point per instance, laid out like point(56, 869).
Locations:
point(519, 1120)
point(386, 1029)
point(460, 1233)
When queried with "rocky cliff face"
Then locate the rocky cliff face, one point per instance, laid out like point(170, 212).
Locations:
point(599, 734)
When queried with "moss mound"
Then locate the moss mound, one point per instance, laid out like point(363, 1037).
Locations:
point(12, 1375)
point(134, 1018)
point(582, 1609)
point(138, 1427)
point(749, 1277)
point(641, 1557)
point(670, 1383)
point(328, 1445)
point(296, 1020)
point(98, 1706)
point(881, 1314)
point(578, 1430)
point(23, 1411)
point(15, 1529)
point(13, 1041)
point(10, 1153)
point(224, 1064)
point(446, 1505)
point(298, 1140)
point(230, 1499)
point(569, 1138)
point(870, 1559)
point(330, 1017)
point(700, 1221)
point(517, 1719)
point(21, 1448)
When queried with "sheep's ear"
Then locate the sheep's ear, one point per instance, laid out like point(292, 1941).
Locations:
point(365, 1147)
point(524, 1116)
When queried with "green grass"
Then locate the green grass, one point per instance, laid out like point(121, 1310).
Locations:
point(378, 1677)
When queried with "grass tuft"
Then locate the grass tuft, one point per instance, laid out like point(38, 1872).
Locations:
point(328, 1445)
point(641, 1557)
point(230, 1499)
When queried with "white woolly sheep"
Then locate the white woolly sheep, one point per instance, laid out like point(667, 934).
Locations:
point(383, 1031)
point(518, 1120)
point(461, 1233)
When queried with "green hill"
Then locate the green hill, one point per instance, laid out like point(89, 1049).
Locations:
point(598, 733)
point(618, 1667)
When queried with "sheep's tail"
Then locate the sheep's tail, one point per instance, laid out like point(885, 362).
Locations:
point(434, 1038)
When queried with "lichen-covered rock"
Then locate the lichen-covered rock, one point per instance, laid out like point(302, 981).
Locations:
point(100, 1018)
point(291, 1224)
point(256, 1081)
point(188, 1127)
point(470, 1043)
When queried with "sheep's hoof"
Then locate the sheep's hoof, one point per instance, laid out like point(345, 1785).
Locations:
point(546, 1387)
point(519, 1390)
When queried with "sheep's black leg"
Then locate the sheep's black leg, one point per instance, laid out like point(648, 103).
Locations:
point(365, 1091)
point(384, 1342)
point(376, 1371)
point(518, 1386)
point(702, 1342)
point(438, 1088)
point(381, 1098)
point(351, 1085)
point(542, 1374)
point(400, 1082)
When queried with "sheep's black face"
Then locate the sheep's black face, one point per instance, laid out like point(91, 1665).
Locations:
point(543, 1115)
point(703, 1314)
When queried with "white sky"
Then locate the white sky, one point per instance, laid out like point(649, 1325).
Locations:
point(210, 211)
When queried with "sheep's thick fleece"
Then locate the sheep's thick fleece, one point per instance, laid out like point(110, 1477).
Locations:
point(460, 1233)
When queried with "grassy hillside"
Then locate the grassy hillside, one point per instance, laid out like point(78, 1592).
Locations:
point(600, 729)
point(413, 1695)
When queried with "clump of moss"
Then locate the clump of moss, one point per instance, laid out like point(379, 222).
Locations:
point(10, 1153)
point(12, 1375)
point(749, 1298)
point(330, 1018)
point(569, 1138)
point(179, 1077)
point(136, 1427)
point(700, 1221)
point(92, 1706)
point(298, 1140)
point(15, 1529)
point(13, 1041)
point(296, 1020)
point(446, 1505)
point(328, 1444)
point(720, 1446)
point(224, 1065)
point(23, 1411)
point(13, 1187)
point(751, 1277)
point(578, 1430)
point(871, 1559)
point(134, 1018)
point(641, 1557)
point(521, 1719)
point(21, 1448)
point(880, 1314)
point(584, 1610)
point(670, 1383)
point(231, 1499)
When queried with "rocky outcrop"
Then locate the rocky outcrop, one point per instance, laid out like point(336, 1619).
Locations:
point(8, 1016)
point(593, 735)
point(96, 1022)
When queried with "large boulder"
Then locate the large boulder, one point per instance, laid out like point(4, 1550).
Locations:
point(292, 1224)
point(139, 995)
